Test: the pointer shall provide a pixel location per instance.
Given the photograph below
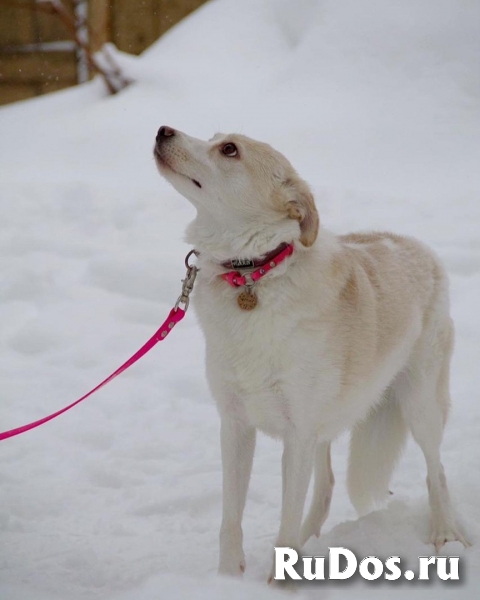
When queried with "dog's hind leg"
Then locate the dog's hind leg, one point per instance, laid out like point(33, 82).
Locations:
point(423, 392)
point(238, 446)
point(322, 493)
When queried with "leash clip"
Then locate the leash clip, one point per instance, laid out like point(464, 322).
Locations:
point(188, 282)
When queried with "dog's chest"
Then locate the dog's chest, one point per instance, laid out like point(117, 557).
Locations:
point(258, 376)
point(249, 359)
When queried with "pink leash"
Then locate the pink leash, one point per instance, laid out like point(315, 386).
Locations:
point(175, 316)
point(234, 278)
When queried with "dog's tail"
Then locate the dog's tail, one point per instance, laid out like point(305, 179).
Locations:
point(375, 446)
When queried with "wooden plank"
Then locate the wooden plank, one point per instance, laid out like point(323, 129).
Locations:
point(135, 26)
point(170, 12)
point(53, 86)
point(24, 26)
point(12, 92)
point(16, 26)
point(99, 22)
point(49, 28)
point(39, 67)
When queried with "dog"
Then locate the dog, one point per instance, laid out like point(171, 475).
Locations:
point(338, 332)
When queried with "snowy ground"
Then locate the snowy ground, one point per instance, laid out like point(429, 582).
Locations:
point(376, 104)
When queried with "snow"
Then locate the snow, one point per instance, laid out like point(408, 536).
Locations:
point(376, 105)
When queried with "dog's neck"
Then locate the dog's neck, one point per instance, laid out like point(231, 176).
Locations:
point(223, 242)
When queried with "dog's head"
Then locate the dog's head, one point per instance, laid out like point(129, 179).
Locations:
point(247, 191)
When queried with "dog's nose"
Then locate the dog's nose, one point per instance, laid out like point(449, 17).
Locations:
point(165, 132)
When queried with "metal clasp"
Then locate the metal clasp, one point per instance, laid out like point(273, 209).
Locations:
point(249, 281)
point(188, 282)
point(187, 258)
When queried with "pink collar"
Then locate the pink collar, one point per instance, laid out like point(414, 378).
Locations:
point(236, 279)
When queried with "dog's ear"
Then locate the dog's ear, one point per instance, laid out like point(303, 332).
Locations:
point(301, 207)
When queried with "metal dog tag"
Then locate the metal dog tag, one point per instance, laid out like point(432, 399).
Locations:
point(247, 300)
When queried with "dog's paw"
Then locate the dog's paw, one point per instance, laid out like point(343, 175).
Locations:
point(232, 566)
point(441, 535)
point(284, 585)
point(232, 558)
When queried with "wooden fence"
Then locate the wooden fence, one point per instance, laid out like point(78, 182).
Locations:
point(38, 53)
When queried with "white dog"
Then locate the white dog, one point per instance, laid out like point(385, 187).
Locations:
point(308, 334)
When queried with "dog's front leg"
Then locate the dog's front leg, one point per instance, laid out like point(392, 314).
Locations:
point(297, 461)
point(238, 445)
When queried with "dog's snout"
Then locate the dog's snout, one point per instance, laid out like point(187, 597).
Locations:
point(165, 132)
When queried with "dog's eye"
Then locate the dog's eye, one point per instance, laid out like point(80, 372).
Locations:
point(229, 149)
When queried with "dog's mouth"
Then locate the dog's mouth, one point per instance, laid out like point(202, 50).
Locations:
point(163, 163)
